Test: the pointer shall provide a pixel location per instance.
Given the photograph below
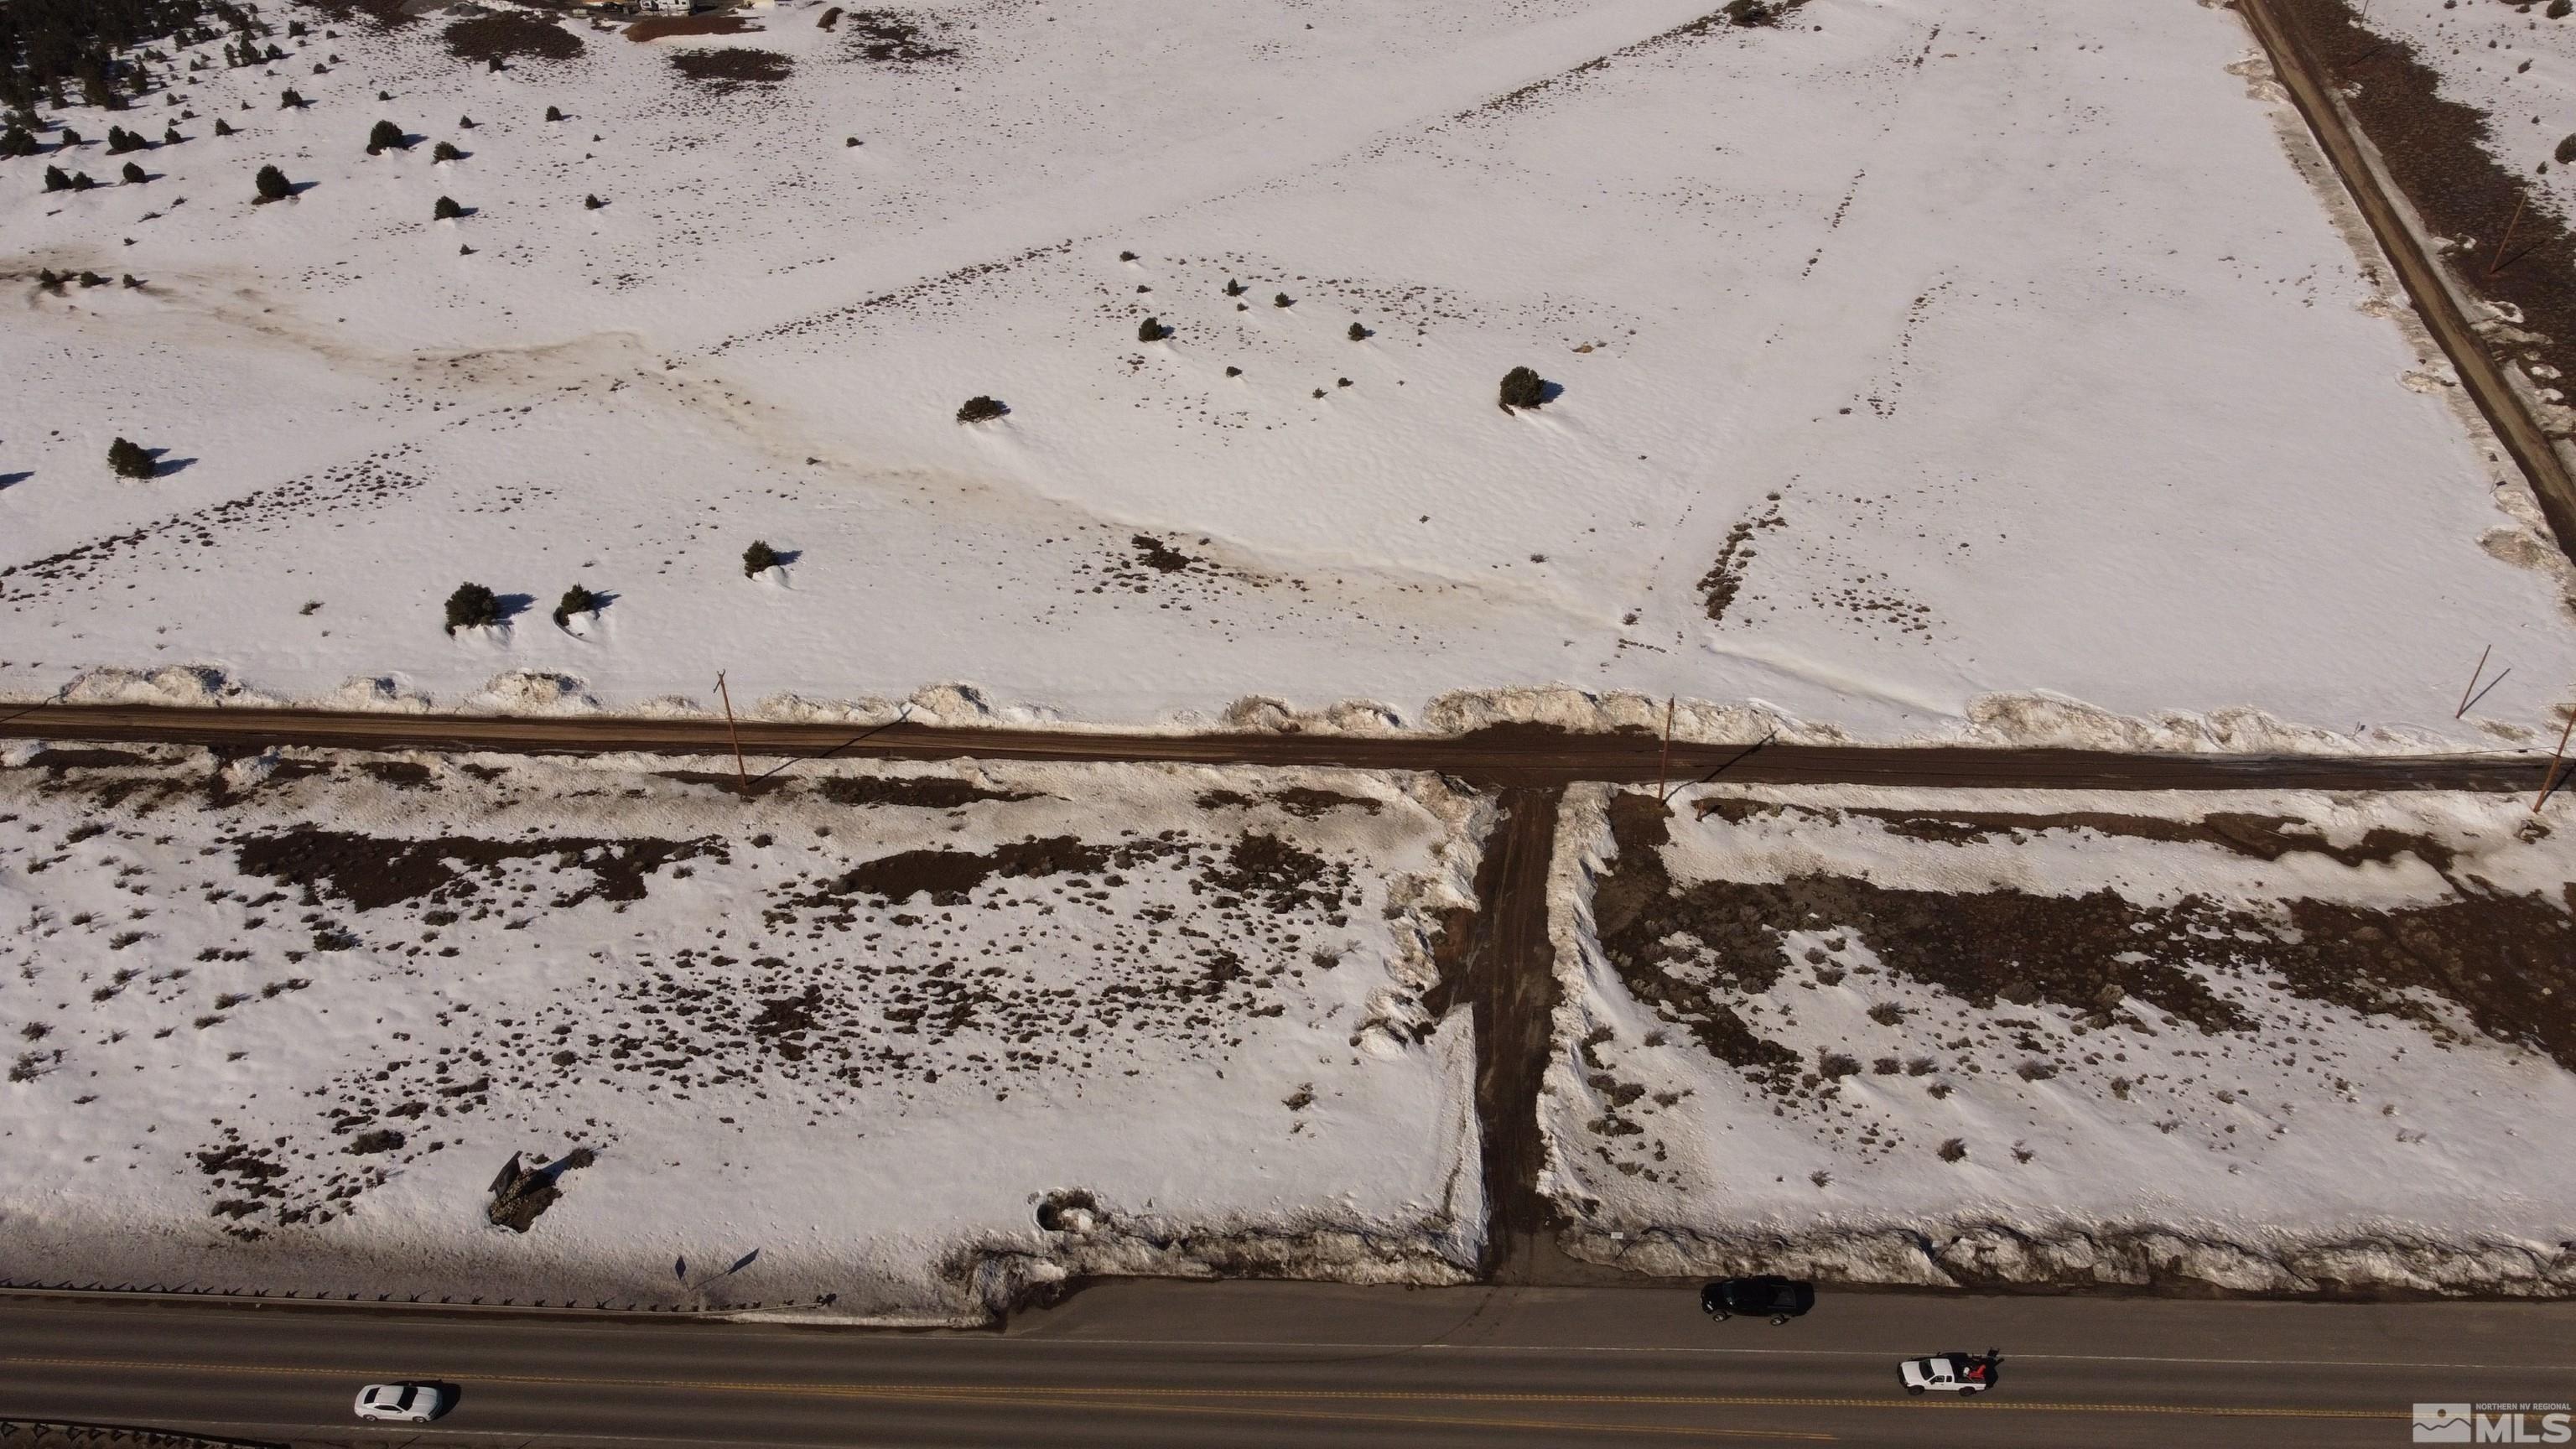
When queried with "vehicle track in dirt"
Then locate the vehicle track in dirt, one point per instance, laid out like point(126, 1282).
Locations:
point(1507, 756)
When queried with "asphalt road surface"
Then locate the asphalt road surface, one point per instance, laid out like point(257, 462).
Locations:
point(1149, 1364)
point(1510, 756)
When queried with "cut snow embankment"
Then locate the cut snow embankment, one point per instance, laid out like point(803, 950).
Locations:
point(924, 1040)
point(2293, 1044)
point(1992, 721)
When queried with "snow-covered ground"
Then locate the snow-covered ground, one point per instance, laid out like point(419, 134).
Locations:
point(919, 1038)
point(2271, 1043)
point(1930, 369)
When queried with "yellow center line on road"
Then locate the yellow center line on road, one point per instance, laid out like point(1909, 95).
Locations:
point(1061, 1396)
point(1448, 1421)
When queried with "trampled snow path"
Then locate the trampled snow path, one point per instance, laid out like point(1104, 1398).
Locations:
point(1931, 371)
point(2276, 1044)
point(925, 1039)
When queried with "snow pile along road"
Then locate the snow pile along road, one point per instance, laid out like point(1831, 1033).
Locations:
point(925, 1040)
point(2288, 1044)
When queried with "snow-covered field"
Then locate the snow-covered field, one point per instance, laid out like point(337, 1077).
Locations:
point(1930, 369)
point(921, 1039)
point(2270, 1043)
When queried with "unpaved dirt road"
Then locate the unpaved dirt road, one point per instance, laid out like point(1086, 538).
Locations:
point(2301, 72)
point(1518, 756)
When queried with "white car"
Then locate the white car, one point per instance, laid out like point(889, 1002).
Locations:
point(1963, 1374)
point(401, 1403)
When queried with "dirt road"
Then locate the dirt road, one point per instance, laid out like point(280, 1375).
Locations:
point(1516, 756)
point(2305, 76)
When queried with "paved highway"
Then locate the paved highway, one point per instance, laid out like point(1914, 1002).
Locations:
point(1144, 1364)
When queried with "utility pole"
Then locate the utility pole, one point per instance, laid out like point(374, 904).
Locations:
point(2498, 260)
point(1663, 764)
point(740, 773)
point(2550, 779)
point(2473, 681)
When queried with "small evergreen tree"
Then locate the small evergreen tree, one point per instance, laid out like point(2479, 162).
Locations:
point(384, 134)
point(576, 600)
point(1152, 330)
point(288, 100)
point(465, 123)
point(758, 557)
point(472, 606)
point(273, 185)
point(446, 210)
point(1359, 333)
point(56, 179)
point(129, 460)
point(17, 141)
point(1283, 300)
point(81, 181)
point(71, 137)
point(134, 173)
point(554, 114)
point(981, 409)
point(592, 203)
point(446, 151)
point(170, 136)
point(223, 127)
point(121, 140)
point(1234, 288)
point(1523, 388)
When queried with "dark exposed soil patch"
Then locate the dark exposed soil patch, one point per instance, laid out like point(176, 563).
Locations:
point(371, 871)
point(508, 35)
point(2263, 837)
point(522, 1193)
point(1725, 578)
point(891, 37)
point(1279, 877)
point(383, 14)
point(2507, 962)
point(949, 876)
point(401, 774)
point(662, 27)
point(930, 794)
point(784, 1022)
point(2436, 151)
point(1304, 803)
point(1159, 556)
point(726, 69)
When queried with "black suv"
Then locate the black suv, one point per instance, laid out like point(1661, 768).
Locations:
point(1779, 1299)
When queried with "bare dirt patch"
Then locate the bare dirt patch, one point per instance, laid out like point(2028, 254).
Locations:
point(2506, 962)
point(727, 69)
point(921, 794)
point(510, 35)
point(893, 37)
point(383, 14)
point(663, 27)
point(374, 871)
